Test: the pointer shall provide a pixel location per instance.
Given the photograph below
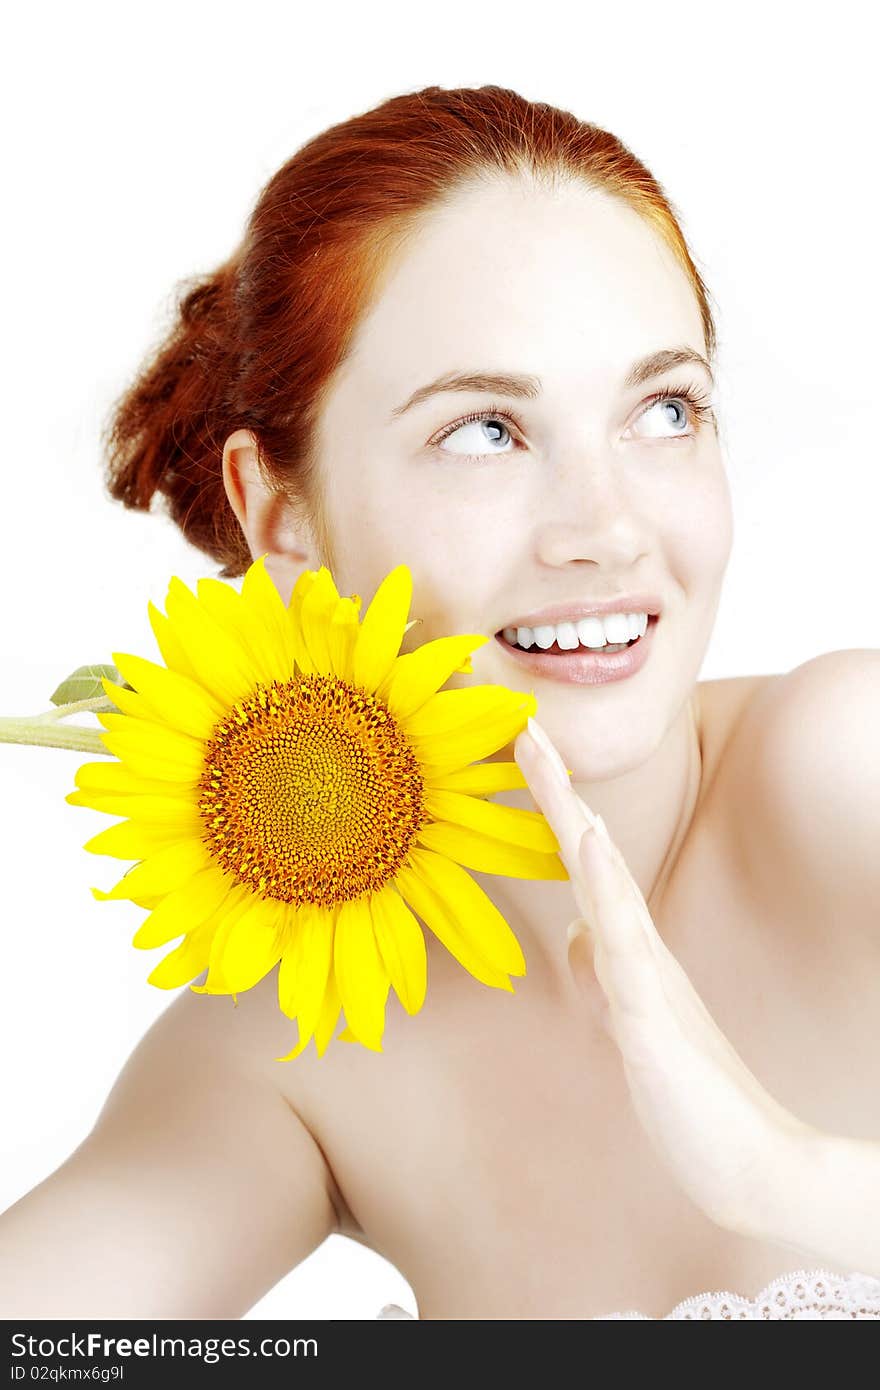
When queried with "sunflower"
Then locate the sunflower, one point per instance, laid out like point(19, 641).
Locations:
point(297, 791)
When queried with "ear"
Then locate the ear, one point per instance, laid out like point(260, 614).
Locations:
point(267, 519)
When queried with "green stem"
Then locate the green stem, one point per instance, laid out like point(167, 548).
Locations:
point(45, 731)
point(97, 702)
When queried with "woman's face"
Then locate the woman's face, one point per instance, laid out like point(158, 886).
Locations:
point(577, 493)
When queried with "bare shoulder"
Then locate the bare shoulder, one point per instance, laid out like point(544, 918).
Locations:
point(724, 708)
point(196, 1190)
point(804, 787)
point(214, 1056)
point(228, 1049)
point(258, 1034)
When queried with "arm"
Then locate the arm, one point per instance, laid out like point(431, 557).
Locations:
point(817, 752)
point(822, 1199)
point(812, 753)
point(751, 1165)
point(198, 1188)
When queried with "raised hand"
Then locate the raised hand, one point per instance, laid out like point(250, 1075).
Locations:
point(716, 1128)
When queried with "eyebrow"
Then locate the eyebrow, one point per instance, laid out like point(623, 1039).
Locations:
point(529, 387)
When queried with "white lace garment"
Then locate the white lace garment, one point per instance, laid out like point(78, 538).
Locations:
point(803, 1294)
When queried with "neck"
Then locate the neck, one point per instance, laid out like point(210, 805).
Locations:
point(648, 811)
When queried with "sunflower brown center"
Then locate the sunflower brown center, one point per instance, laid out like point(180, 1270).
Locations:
point(311, 793)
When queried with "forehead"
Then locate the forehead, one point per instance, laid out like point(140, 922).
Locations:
point(512, 276)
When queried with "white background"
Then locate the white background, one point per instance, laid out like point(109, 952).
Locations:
point(136, 139)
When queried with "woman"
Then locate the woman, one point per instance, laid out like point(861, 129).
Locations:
point(464, 332)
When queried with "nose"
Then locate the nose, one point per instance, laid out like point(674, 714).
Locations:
point(587, 513)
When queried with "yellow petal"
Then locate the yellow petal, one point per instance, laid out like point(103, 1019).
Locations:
point(305, 965)
point(511, 824)
point(247, 623)
point(131, 841)
point(170, 646)
point(480, 779)
point(382, 628)
point(234, 908)
point(329, 1015)
point(489, 856)
point(301, 588)
point(114, 778)
point(360, 973)
point(174, 699)
point(437, 918)
point(259, 593)
point(451, 710)
point(441, 753)
point(401, 943)
point(316, 614)
point(323, 1030)
point(342, 637)
point(186, 908)
point(148, 763)
point(186, 961)
point(165, 743)
point(155, 820)
point(178, 810)
point(223, 667)
point(476, 917)
point(129, 701)
point(304, 1040)
point(418, 675)
point(164, 871)
point(251, 948)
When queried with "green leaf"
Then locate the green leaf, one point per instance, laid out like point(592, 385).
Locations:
point(85, 684)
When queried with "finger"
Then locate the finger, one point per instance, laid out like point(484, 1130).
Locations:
point(642, 911)
point(583, 963)
point(581, 949)
point(615, 908)
point(562, 809)
point(569, 817)
point(626, 955)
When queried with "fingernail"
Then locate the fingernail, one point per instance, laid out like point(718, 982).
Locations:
point(577, 928)
point(580, 954)
point(547, 748)
point(603, 831)
point(608, 845)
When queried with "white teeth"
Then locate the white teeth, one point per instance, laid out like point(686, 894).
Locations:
point(616, 627)
point(610, 632)
point(567, 636)
point(592, 632)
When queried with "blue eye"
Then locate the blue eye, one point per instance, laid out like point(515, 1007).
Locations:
point(696, 411)
point(478, 430)
point(486, 428)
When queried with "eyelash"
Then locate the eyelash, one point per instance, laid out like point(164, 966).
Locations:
point(699, 409)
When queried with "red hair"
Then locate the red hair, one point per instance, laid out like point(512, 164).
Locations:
point(255, 343)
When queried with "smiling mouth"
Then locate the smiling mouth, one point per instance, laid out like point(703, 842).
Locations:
point(555, 650)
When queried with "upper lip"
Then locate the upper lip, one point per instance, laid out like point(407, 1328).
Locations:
point(576, 609)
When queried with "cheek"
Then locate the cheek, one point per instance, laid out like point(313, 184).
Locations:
point(700, 529)
point(448, 549)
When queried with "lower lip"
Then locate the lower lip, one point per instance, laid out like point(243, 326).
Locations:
point(583, 667)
